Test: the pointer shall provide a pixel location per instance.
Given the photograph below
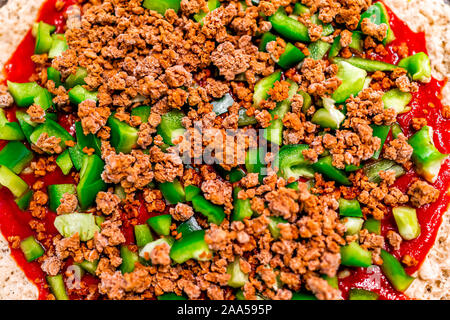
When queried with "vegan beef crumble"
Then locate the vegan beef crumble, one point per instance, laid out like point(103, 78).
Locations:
point(218, 149)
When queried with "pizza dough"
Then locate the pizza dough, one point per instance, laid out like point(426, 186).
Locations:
point(430, 16)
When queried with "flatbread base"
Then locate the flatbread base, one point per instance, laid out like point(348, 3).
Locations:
point(430, 16)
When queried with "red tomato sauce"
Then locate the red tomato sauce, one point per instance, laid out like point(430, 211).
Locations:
point(14, 222)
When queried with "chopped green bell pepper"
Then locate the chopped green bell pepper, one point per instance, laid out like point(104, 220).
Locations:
point(318, 49)
point(53, 129)
point(352, 81)
point(212, 212)
point(352, 225)
point(328, 116)
point(394, 271)
point(242, 208)
point(170, 296)
point(43, 37)
point(372, 225)
point(26, 94)
point(212, 5)
point(352, 255)
point(123, 136)
point(129, 259)
point(76, 79)
point(273, 226)
point(396, 99)
point(64, 162)
point(221, 106)
point(407, 223)
point(288, 27)
point(274, 132)
point(356, 44)
point(161, 224)
point(13, 182)
point(56, 192)
point(349, 208)
point(262, 87)
point(366, 64)
point(191, 246)
point(238, 278)
point(372, 170)
point(31, 249)
point(418, 66)
point(90, 180)
point(361, 294)
point(170, 127)
point(291, 162)
point(290, 57)
point(173, 191)
point(23, 202)
point(426, 156)
point(59, 45)
point(188, 226)
point(161, 6)
point(324, 166)
point(15, 156)
point(57, 287)
point(381, 132)
point(78, 94)
point(54, 75)
point(142, 112)
point(378, 14)
point(191, 191)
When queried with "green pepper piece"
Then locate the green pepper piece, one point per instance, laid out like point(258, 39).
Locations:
point(26, 125)
point(274, 132)
point(378, 14)
point(426, 156)
point(324, 166)
point(366, 64)
point(90, 180)
point(54, 75)
point(170, 296)
point(129, 258)
point(394, 271)
point(291, 162)
point(23, 202)
point(238, 278)
point(188, 226)
point(171, 127)
point(191, 191)
point(15, 156)
point(349, 208)
point(56, 192)
point(57, 287)
point(173, 191)
point(90, 140)
point(303, 296)
point(77, 156)
point(372, 225)
point(10, 131)
point(244, 119)
point(59, 45)
point(396, 130)
point(31, 248)
point(328, 116)
point(265, 39)
point(161, 6)
point(273, 226)
point(146, 251)
point(123, 136)
point(418, 66)
point(361, 294)
point(327, 29)
point(356, 44)
point(381, 132)
point(242, 208)
point(291, 56)
point(407, 223)
point(78, 94)
point(161, 224)
point(26, 94)
point(235, 175)
point(372, 170)
point(255, 162)
point(352, 255)
point(307, 101)
point(53, 129)
point(352, 81)
point(396, 99)
point(288, 27)
point(352, 167)
point(214, 213)
point(221, 106)
point(191, 246)
point(142, 112)
point(300, 9)
point(262, 87)
point(352, 225)
point(318, 49)
point(212, 5)
point(81, 223)
point(13, 182)
point(76, 79)
point(43, 37)
point(89, 266)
